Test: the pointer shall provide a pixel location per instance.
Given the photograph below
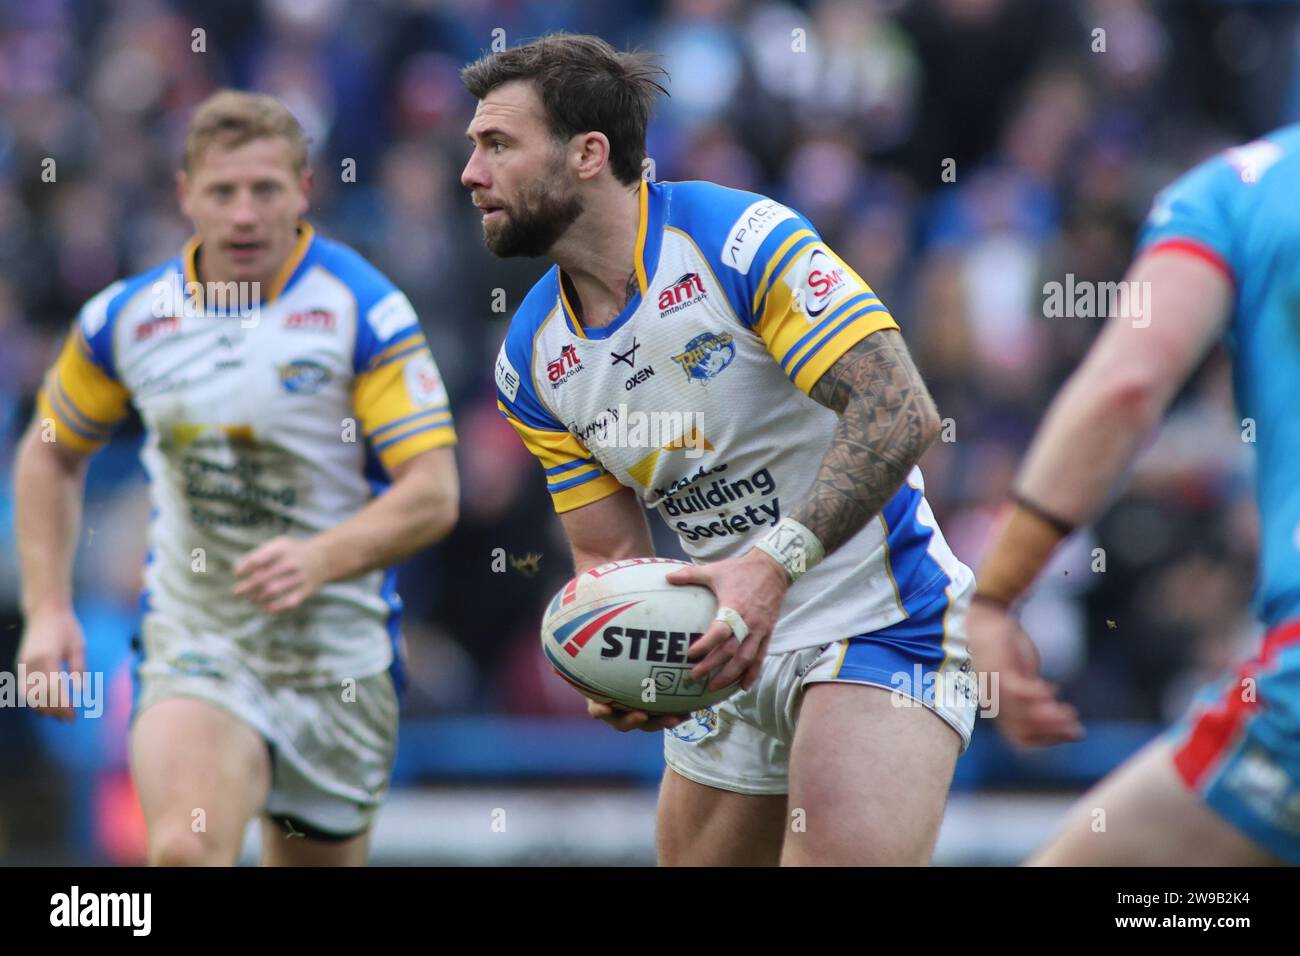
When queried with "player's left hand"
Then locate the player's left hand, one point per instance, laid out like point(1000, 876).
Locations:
point(280, 574)
point(753, 586)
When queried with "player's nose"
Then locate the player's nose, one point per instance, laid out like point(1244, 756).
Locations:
point(474, 175)
point(244, 211)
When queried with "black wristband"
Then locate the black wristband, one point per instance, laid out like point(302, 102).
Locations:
point(1060, 524)
point(997, 602)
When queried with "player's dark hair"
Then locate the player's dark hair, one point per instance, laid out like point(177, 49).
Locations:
point(585, 85)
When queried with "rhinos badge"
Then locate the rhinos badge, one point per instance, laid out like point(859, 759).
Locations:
point(706, 355)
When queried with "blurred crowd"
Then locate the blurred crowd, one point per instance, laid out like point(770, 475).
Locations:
point(958, 153)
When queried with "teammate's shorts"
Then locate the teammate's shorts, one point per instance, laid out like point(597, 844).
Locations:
point(743, 743)
point(331, 747)
point(1239, 745)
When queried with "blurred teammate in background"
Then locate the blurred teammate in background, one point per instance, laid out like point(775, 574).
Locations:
point(802, 498)
point(1220, 253)
point(298, 445)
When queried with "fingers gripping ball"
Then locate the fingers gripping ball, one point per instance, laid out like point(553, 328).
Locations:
point(620, 634)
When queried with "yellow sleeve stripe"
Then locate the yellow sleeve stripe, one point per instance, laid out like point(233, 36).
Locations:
point(823, 327)
point(63, 430)
point(573, 476)
point(414, 443)
point(582, 471)
point(75, 417)
point(397, 350)
point(777, 259)
point(554, 449)
point(815, 365)
point(80, 398)
point(585, 494)
point(441, 420)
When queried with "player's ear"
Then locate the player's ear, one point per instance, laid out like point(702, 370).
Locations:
point(305, 182)
point(183, 192)
point(592, 155)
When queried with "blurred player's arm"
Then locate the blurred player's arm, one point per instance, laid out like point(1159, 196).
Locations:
point(49, 482)
point(77, 408)
point(1097, 423)
point(1090, 436)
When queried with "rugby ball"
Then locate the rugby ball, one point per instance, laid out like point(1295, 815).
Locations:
point(620, 633)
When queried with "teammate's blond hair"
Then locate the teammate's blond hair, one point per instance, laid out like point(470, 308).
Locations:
point(233, 118)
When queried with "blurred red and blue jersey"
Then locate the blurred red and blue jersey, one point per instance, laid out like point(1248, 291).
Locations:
point(1241, 212)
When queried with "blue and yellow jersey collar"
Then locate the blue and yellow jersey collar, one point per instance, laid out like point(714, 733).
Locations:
point(645, 258)
point(288, 270)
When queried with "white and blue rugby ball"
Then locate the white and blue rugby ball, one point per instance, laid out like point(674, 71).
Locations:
point(620, 633)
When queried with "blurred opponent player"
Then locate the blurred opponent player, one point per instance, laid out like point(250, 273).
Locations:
point(1221, 253)
point(676, 299)
point(278, 403)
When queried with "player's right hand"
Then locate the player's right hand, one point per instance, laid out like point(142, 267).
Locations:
point(52, 643)
point(625, 720)
point(1027, 709)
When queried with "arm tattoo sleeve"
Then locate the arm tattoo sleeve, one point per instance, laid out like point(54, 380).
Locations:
point(887, 420)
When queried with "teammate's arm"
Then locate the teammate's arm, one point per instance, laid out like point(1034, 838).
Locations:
point(79, 404)
point(416, 511)
point(49, 481)
point(1090, 435)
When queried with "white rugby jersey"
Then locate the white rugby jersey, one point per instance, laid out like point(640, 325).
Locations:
point(284, 420)
point(696, 396)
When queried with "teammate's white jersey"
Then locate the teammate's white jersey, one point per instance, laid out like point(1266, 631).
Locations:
point(696, 397)
point(281, 420)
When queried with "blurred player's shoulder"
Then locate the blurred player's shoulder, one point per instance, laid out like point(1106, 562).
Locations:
point(129, 296)
point(1211, 205)
point(350, 267)
point(384, 315)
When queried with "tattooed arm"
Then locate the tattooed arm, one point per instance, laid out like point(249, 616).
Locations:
point(887, 421)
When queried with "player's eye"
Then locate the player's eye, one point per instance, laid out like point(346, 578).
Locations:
point(266, 189)
point(498, 146)
point(221, 190)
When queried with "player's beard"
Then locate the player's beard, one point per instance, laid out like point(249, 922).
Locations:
point(540, 216)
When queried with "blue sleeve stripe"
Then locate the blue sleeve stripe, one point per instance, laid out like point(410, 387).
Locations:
point(383, 363)
point(437, 409)
point(570, 465)
point(794, 372)
point(56, 401)
point(415, 431)
point(789, 256)
point(823, 324)
point(574, 482)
